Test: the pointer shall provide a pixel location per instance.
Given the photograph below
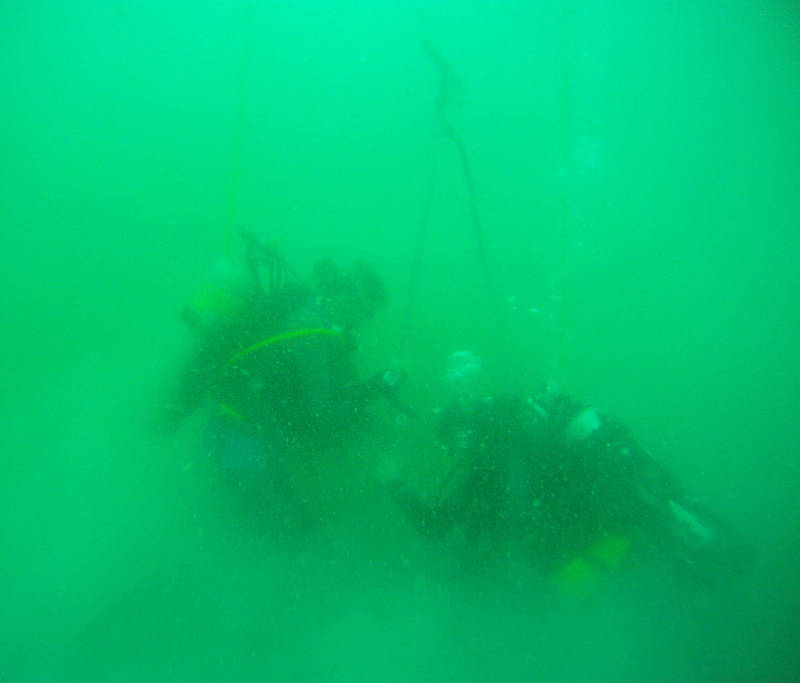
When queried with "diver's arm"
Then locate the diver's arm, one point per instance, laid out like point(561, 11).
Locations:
point(188, 390)
point(383, 385)
point(184, 399)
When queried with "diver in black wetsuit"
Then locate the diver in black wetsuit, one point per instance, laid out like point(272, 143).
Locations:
point(559, 481)
point(274, 365)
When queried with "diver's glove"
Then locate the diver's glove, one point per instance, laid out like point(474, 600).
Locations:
point(383, 384)
point(389, 382)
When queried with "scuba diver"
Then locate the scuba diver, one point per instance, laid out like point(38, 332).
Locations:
point(562, 483)
point(273, 363)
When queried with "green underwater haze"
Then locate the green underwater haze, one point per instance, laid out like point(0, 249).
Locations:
point(636, 168)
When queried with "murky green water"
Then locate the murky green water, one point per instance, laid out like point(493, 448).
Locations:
point(635, 171)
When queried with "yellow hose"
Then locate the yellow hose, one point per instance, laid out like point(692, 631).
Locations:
point(293, 334)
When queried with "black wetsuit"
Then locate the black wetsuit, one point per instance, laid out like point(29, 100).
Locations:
point(553, 477)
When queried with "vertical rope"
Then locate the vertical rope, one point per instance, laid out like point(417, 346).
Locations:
point(476, 218)
point(447, 92)
point(421, 236)
point(247, 33)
